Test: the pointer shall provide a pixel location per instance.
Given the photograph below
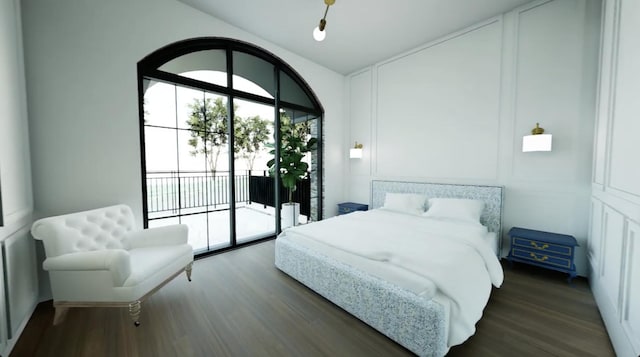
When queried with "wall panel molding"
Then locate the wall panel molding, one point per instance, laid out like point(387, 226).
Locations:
point(548, 88)
point(625, 195)
point(616, 285)
point(606, 90)
point(614, 228)
point(360, 111)
point(418, 152)
point(376, 120)
point(422, 119)
point(630, 313)
point(624, 126)
point(612, 21)
point(594, 248)
point(627, 207)
point(513, 92)
point(15, 174)
point(450, 37)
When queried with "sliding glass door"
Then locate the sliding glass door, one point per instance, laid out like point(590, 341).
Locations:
point(213, 119)
point(253, 134)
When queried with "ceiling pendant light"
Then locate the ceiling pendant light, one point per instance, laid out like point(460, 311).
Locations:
point(318, 33)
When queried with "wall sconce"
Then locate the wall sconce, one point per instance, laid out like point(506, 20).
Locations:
point(537, 141)
point(318, 33)
point(356, 151)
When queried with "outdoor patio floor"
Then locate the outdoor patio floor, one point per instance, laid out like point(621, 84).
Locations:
point(253, 221)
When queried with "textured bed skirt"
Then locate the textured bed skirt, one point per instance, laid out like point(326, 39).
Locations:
point(416, 323)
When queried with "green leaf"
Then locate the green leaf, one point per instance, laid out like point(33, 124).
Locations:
point(289, 181)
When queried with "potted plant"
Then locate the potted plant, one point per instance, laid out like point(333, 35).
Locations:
point(293, 147)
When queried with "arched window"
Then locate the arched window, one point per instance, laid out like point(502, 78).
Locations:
point(211, 113)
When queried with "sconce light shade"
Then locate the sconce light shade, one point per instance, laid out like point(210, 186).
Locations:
point(539, 142)
point(356, 151)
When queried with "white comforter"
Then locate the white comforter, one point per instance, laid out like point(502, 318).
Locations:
point(452, 255)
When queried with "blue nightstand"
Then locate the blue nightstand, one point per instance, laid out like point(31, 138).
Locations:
point(543, 249)
point(348, 207)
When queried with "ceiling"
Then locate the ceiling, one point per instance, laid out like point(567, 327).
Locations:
point(359, 32)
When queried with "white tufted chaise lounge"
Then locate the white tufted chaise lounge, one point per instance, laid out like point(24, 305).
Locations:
point(97, 258)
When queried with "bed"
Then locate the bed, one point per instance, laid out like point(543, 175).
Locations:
point(421, 280)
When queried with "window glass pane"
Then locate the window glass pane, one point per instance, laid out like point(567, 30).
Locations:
point(160, 149)
point(161, 162)
point(219, 231)
point(215, 77)
point(314, 167)
point(217, 132)
point(291, 92)
point(191, 158)
point(304, 126)
point(190, 105)
point(159, 104)
point(245, 85)
point(196, 65)
point(163, 222)
point(254, 199)
point(193, 192)
point(198, 231)
point(253, 75)
point(162, 194)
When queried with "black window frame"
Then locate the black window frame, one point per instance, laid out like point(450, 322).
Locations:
point(147, 69)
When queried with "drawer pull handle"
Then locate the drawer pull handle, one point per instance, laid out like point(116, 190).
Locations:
point(534, 256)
point(535, 245)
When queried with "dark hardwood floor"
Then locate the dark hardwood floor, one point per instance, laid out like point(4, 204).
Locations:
point(239, 304)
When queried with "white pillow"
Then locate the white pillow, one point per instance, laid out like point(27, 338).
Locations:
point(455, 208)
point(405, 202)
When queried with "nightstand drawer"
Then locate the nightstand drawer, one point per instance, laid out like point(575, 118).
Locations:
point(345, 210)
point(348, 207)
point(541, 258)
point(542, 247)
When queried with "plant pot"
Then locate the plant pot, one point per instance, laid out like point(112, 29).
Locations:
point(289, 214)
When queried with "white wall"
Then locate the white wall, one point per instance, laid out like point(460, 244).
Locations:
point(614, 239)
point(81, 77)
point(18, 283)
point(455, 111)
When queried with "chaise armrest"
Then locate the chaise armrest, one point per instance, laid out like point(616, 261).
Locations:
point(168, 235)
point(114, 260)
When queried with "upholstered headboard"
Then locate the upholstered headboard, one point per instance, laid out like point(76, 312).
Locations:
point(490, 195)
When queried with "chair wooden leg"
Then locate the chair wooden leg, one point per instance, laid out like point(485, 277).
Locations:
point(59, 315)
point(134, 312)
point(187, 269)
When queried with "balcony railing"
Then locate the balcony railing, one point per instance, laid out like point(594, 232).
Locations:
point(262, 188)
point(171, 191)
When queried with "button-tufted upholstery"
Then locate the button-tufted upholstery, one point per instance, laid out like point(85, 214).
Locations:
point(98, 229)
point(98, 256)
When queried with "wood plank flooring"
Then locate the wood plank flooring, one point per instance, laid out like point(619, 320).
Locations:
point(239, 304)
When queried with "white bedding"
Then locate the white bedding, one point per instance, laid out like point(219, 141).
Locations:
point(448, 260)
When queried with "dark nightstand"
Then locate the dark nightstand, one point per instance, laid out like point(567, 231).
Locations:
point(543, 249)
point(348, 207)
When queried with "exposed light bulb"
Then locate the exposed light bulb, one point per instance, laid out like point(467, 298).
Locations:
point(318, 34)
